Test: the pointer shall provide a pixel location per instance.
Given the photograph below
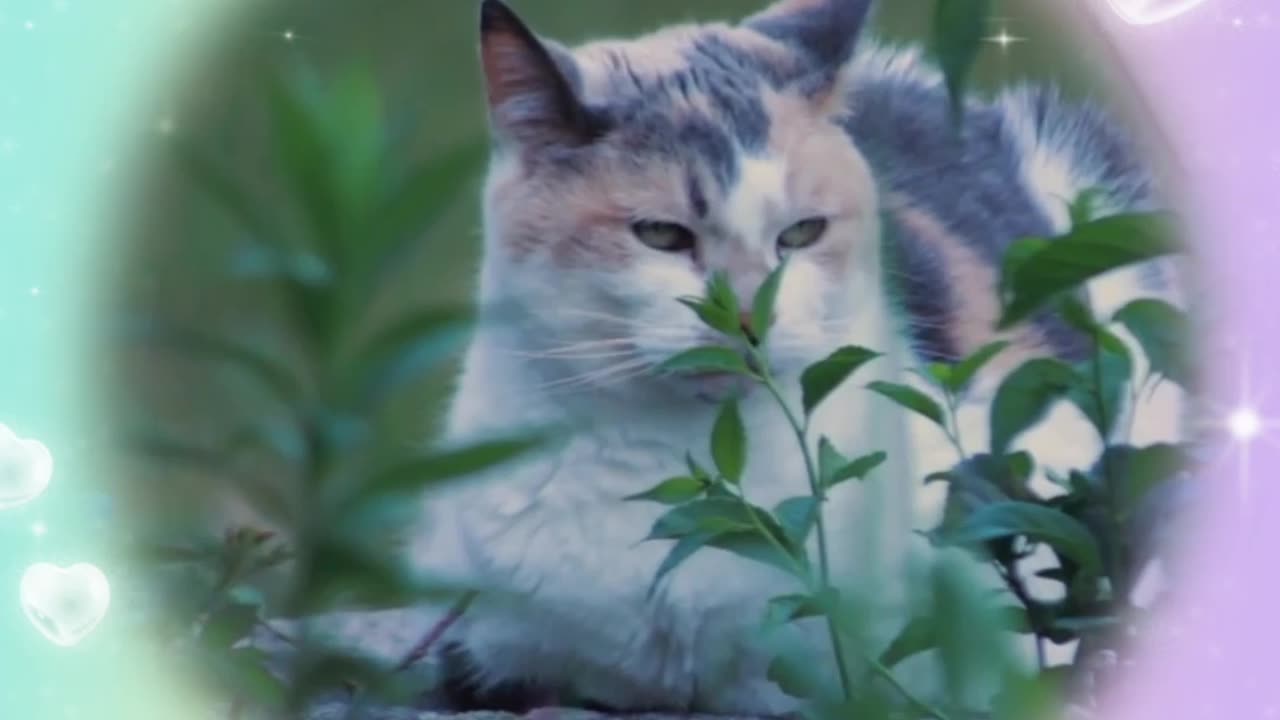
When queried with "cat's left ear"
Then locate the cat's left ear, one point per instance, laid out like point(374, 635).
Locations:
point(824, 30)
point(531, 85)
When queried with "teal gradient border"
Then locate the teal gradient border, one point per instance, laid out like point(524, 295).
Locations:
point(81, 96)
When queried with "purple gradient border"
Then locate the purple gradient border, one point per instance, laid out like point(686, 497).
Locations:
point(1213, 77)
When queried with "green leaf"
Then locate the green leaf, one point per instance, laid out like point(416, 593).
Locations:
point(754, 546)
point(1078, 315)
point(720, 293)
point(1136, 471)
point(304, 270)
point(860, 467)
point(1100, 390)
point(714, 316)
point(344, 574)
point(983, 480)
point(672, 492)
point(715, 515)
point(417, 203)
point(231, 194)
point(1164, 334)
point(1085, 625)
point(830, 460)
point(229, 625)
point(707, 359)
point(822, 378)
point(795, 677)
point(1015, 256)
point(723, 533)
point(797, 516)
point(412, 476)
point(404, 351)
point(353, 112)
point(1037, 523)
point(789, 608)
point(763, 304)
point(696, 471)
point(1087, 251)
point(959, 29)
point(682, 550)
point(307, 161)
point(729, 443)
point(940, 374)
point(919, 635)
point(243, 673)
point(964, 371)
point(911, 399)
point(259, 364)
point(1084, 207)
point(1035, 696)
point(1025, 396)
point(834, 468)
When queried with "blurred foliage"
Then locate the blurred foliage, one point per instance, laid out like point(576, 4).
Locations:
point(294, 308)
point(991, 509)
point(356, 207)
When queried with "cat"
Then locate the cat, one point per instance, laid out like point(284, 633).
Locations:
point(624, 173)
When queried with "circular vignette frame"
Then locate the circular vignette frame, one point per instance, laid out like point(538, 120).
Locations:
point(77, 82)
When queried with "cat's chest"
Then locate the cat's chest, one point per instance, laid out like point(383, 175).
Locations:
point(571, 501)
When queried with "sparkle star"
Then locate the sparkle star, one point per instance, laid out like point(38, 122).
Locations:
point(288, 35)
point(29, 25)
point(35, 292)
point(38, 529)
point(1004, 39)
point(1244, 424)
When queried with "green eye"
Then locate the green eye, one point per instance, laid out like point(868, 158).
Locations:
point(802, 234)
point(664, 236)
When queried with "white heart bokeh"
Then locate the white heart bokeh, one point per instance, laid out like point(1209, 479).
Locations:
point(1150, 12)
point(65, 605)
point(25, 469)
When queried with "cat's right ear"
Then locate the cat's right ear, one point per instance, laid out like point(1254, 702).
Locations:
point(531, 87)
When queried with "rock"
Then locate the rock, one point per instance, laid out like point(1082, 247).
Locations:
point(337, 711)
point(385, 637)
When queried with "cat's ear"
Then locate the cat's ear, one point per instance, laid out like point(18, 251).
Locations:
point(824, 30)
point(531, 85)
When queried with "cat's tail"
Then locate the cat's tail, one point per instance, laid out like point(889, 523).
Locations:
point(1068, 148)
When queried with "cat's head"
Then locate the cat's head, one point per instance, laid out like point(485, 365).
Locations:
point(627, 172)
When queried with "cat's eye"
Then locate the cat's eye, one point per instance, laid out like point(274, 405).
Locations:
point(664, 236)
point(802, 234)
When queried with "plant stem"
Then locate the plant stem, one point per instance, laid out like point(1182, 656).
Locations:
point(420, 650)
point(801, 431)
point(887, 675)
point(1108, 474)
point(800, 568)
point(1019, 590)
point(953, 433)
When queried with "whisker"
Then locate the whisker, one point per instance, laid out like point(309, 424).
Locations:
point(562, 354)
point(597, 383)
point(630, 322)
point(589, 376)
